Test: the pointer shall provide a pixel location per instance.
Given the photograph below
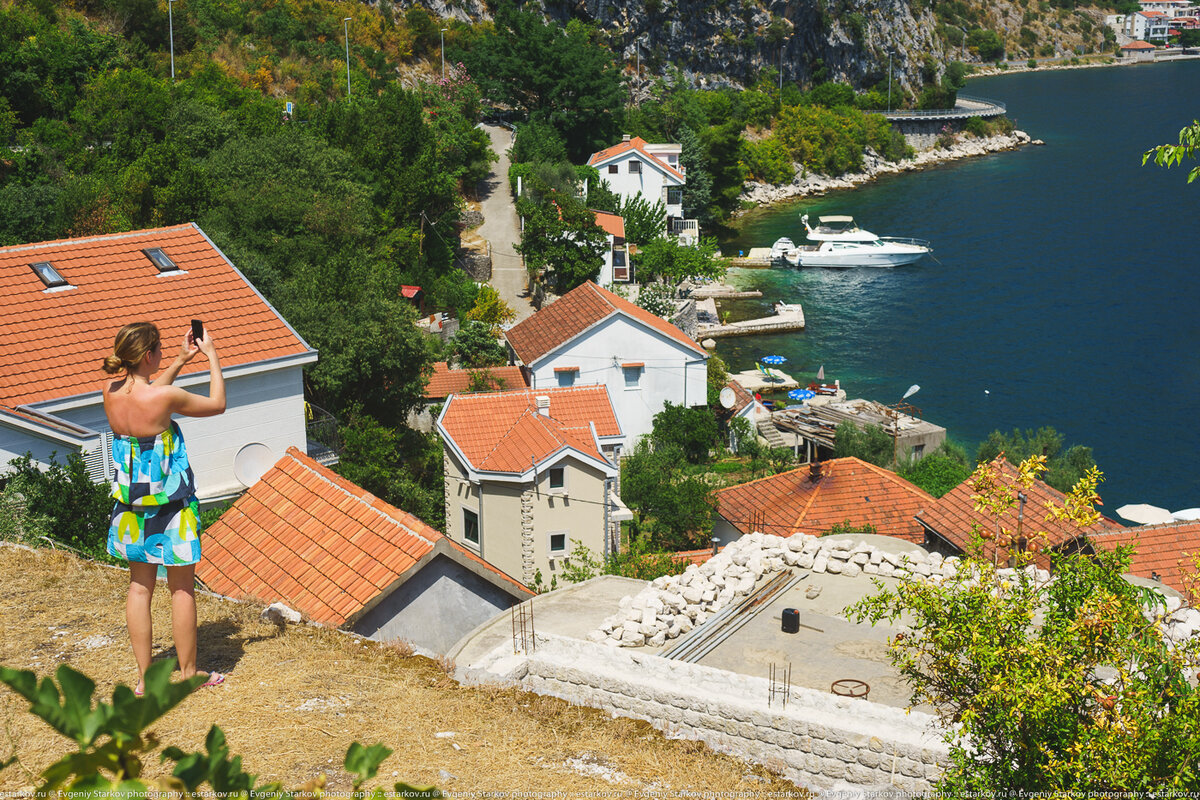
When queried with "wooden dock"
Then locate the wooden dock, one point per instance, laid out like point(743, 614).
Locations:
point(790, 320)
point(757, 257)
point(719, 291)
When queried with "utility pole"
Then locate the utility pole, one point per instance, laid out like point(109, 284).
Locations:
point(171, 34)
point(889, 80)
point(346, 27)
point(443, 35)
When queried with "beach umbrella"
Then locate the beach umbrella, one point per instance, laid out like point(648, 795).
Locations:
point(1186, 514)
point(801, 394)
point(773, 361)
point(1144, 514)
point(821, 373)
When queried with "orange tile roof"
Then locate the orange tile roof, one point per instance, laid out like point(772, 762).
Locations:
point(1159, 549)
point(952, 516)
point(577, 311)
point(315, 541)
point(848, 489)
point(503, 431)
point(613, 224)
point(52, 342)
point(1138, 45)
point(636, 143)
point(446, 381)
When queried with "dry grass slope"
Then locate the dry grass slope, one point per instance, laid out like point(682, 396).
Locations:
point(297, 698)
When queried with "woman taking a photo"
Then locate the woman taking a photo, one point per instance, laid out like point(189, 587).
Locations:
point(156, 517)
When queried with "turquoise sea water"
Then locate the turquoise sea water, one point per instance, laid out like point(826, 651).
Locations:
point(1066, 289)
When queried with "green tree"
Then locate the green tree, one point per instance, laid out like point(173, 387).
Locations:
point(699, 202)
point(1170, 155)
point(667, 260)
point(940, 471)
point(644, 220)
point(679, 510)
point(986, 44)
point(1062, 687)
point(692, 430)
point(871, 444)
point(718, 378)
point(561, 238)
point(475, 346)
point(400, 465)
point(538, 141)
point(1064, 467)
point(491, 310)
point(559, 76)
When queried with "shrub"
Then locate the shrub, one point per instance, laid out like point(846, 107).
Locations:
point(768, 161)
point(1031, 63)
point(76, 510)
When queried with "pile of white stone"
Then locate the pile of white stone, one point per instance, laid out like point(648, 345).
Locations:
point(673, 605)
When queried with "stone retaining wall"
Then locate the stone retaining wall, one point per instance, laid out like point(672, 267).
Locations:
point(817, 740)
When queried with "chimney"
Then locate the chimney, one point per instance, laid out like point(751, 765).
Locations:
point(625, 137)
point(814, 471)
point(543, 404)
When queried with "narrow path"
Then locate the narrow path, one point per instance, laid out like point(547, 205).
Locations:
point(501, 228)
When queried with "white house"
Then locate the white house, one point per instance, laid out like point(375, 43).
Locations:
point(592, 336)
point(61, 305)
point(636, 168)
point(616, 260)
point(1147, 25)
point(529, 473)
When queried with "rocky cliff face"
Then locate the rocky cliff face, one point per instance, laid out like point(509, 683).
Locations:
point(734, 41)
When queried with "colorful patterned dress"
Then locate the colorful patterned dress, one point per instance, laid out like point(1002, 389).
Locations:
point(156, 517)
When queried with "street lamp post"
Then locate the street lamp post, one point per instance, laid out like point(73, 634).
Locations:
point(346, 30)
point(171, 34)
point(889, 80)
point(782, 44)
point(443, 38)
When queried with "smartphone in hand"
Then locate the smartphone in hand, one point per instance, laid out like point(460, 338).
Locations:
point(197, 331)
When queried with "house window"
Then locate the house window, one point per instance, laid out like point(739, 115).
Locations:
point(566, 376)
point(618, 258)
point(635, 167)
point(471, 526)
point(558, 478)
point(558, 542)
point(49, 275)
point(613, 169)
point(674, 195)
point(160, 259)
point(633, 375)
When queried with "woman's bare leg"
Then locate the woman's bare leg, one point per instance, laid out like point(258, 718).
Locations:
point(181, 581)
point(137, 614)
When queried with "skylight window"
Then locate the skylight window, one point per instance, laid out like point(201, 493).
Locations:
point(49, 275)
point(161, 259)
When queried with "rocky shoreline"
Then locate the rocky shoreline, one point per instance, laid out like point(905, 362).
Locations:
point(808, 184)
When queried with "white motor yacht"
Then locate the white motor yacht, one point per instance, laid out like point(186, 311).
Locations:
point(838, 242)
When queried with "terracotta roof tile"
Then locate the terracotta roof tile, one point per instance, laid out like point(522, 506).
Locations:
point(848, 489)
point(67, 333)
point(636, 143)
point(954, 514)
point(446, 381)
point(577, 311)
point(313, 539)
point(1158, 549)
point(612, 224)
point(504, 432)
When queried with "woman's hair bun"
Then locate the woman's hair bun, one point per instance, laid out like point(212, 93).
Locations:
point(113, 364)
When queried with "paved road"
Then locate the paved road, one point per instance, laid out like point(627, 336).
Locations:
point(500, 228)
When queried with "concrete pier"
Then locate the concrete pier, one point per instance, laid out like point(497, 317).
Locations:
point(789, 319)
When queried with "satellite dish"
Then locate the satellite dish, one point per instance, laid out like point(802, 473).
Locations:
point(252, 462)
point(911, 391)
point(728, 398)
